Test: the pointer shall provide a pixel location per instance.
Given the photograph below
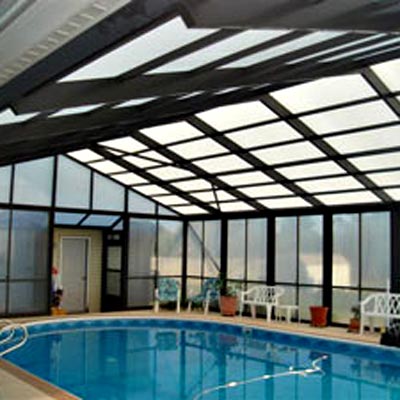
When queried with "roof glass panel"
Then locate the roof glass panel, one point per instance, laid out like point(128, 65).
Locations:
point(358, 116)
point(266, 191)
point(324, 92)
point(68, 218)
point(233, 206)
point(75, 110)
point(356, 197)
point(321, 168)
point(210, 196)
point(230, 162)
point(389, 72)
point(369, 140)
point(151, 190)
point(140, 162)
point(237, 115)
point(8, 117)
point(108, 167)
point(85, 155)
point(171, 199)
point(219, 50)
point(155, 155)
point(159, 41)
point(330, 184)
point(125, 144)
point(169, 133)
point(245, 178)
point(190, 210)
point(170, 172)
point(190, 95)
point(264, 135)
point(393, 193)
point(129, 178)
point(198, 148)
point(135, 102)
point(285, 202)
point(228, 90)
point(193, 184)
point(288, 153)
point(378, 161)
point(386, 178)
point(283, 49)
point(100, 220)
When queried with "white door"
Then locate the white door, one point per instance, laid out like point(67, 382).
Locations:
point(74, 271)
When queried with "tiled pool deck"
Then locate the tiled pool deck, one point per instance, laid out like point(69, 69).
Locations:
point(20, 385)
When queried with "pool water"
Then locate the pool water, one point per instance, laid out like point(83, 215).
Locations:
point(171, 359)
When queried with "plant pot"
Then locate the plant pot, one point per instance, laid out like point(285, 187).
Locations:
point(319, 316)
point(228, 305)
point(354, 325)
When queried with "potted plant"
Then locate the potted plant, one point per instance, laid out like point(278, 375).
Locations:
point(228, 298)
point(354, 325)
point(319, 316)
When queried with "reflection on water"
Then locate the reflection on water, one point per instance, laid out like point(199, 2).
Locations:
point(138, 363)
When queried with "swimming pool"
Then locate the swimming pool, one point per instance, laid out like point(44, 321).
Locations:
point(155, 358)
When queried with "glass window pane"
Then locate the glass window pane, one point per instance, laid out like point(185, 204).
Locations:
point(2, 298)
point(308, 296)
point(139, 204)
point(5, 181)
point(4, 226)
point(321, 168)
point(100, 220)
point(389, 72)
point(142, 242)
point(236, 249)
point(29, 245)
point(68, 218)
point(257, 249)
point(170, 247)
point(330, 184)
point(375, 249)
point(343, 300)
point(113, 283)
point(194, 252)
point(33, 182)
point(310, 248)
point(289, 296)
point(345, 250)
point(198, 148)
point(223, 164)
point(356, 197)
point(212, 249)
point(193, 287)
point(28, 297)
point(140, 292)
point(286, 249)
point(107, 195)
point(73, 184)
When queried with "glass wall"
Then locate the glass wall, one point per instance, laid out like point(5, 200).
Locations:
point(361, 259)
point(298, 260)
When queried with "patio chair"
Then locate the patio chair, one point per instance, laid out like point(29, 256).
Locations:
point(168, 290)
point(209, 293)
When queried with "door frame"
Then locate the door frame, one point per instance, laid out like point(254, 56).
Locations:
point(87, 267)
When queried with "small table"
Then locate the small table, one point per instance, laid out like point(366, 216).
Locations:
point(288, 311)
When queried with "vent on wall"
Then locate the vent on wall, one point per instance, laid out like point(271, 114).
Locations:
point(30, 53)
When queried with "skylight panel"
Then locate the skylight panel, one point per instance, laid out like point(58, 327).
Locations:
point(68, 218)
point(125, 144)
point(170, 133)
point(129, 178)
point(266, 191)
point(230, 162)
point(362, 50)
point(237, 115)
point(190, 210)
point(151, 190)
point(288, 153)
point(385, 178)
point(330, 184)
point(171, 199)
point(161, 40)
point(233, 206)
point(100, 220)
point(198, 148)
point(228, 90)
point(190, 95)
point(156, 156)
point(107, 167)
point(389, 73)
point(393, 193)
point(283, 49)
point(135, 102)
point(357, 197)
point(285, 202)
point(210, 196)
point(324, 92)
point(321, 168)
point(358, 116)
point(8, 117)
point(140, 162)
point(219, 50)
point(264, 135)
point(245, 178)
point(369, 140)
point(170, 172)
point(193, 184)
point(75, 110)
point(85, 155)
point(378, 161)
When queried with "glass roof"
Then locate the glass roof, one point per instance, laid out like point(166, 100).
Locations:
point(8, 117)
point(389, 73)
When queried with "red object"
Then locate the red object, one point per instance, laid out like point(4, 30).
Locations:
point(318, 316)
point(228, 305)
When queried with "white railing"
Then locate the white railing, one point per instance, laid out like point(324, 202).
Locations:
point(8, 335)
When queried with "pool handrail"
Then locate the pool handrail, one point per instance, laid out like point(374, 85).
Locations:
point(11, 328)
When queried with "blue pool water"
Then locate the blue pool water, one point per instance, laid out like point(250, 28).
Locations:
point(152, 359)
